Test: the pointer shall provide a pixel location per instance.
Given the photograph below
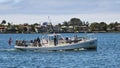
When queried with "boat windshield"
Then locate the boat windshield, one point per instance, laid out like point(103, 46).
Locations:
point(51, 37)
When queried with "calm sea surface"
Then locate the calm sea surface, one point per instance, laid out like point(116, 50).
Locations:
point(107, 54)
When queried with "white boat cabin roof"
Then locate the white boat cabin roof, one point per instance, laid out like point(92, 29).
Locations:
point(54, 35)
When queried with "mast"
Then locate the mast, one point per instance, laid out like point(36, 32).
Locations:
point(51, 26)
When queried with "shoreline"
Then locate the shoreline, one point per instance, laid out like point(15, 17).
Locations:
point(67, 32)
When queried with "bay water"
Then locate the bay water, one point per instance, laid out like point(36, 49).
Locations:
point(107, 54)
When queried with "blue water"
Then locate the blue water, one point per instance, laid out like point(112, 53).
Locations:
point(107, 54)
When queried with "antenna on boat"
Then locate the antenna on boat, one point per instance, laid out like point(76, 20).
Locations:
point(51, 26)
point(49, 19)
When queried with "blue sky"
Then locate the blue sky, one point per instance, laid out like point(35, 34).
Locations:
point(22, 11)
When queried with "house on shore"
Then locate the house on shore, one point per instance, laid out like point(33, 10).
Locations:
point(3, 29)
point(117, 28)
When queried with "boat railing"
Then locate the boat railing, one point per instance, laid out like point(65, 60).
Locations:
point(74, 40)
point(27, 43)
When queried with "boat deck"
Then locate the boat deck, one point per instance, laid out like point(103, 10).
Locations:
point(30, 45)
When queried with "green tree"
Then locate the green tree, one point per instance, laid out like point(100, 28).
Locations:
point(75, 21)
point(59, 25)
point(9, 24)
point(65, 23)
point(94, 26)
point(116, 25)
point(35, 24)
point(111, 25)
point(32, 27)
point(3, 22)
point(87, 23)
point(103, 26)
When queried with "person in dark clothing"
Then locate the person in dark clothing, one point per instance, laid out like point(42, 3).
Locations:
point(24, 43)
point(31, 41)
point(38, 40)
point(55, 40)
point(35, 42)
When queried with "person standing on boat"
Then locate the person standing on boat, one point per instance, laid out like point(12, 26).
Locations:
point(75, 38)
point(38, 41)
point(10, 41)
point(55, 40)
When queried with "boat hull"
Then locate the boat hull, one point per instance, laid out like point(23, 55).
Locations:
point(86, 44)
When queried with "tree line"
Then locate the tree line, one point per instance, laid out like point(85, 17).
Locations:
point(73, 25)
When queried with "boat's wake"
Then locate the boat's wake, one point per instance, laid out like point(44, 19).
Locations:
point(8, 50)
point(18, 50)
point(81, 49)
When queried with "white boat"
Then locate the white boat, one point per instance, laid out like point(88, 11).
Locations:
point(56, 42)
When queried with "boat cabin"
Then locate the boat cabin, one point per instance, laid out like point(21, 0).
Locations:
point(55, 39)
point(51, 40)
